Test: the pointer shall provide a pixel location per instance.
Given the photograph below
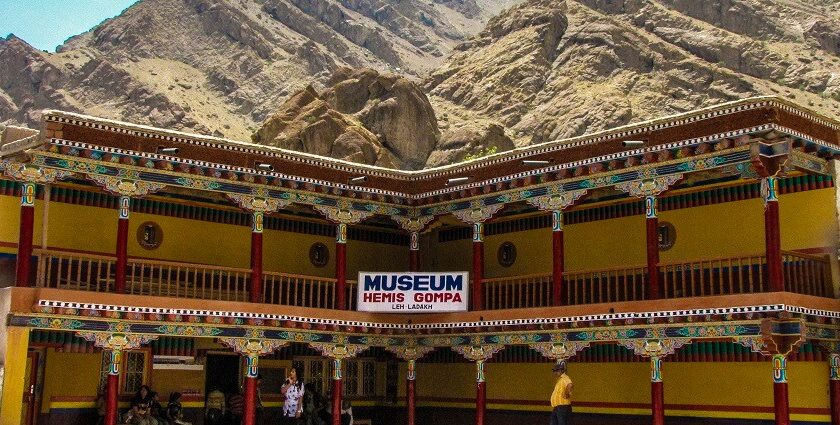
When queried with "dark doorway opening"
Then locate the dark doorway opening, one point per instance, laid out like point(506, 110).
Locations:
point(221, 372)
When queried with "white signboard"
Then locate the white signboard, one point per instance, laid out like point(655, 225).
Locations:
point(413, 292)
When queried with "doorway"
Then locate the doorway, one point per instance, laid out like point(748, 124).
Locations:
point(221, 372)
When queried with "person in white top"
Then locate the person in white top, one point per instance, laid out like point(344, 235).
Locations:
point(292, 390)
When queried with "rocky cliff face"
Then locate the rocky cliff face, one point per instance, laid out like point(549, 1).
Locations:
point(222, 66)
point(430, 86)
point(550, 69)
point(373, 118)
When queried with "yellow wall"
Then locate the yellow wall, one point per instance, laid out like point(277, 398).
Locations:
point(719, 230)
point(94, 229)
point(70, 374)
point(686, 383)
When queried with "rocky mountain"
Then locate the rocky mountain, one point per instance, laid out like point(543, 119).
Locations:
point(549, 69)
point(222, 66)
point(413, 84)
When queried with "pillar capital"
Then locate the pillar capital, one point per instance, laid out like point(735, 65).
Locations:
point(770, 189)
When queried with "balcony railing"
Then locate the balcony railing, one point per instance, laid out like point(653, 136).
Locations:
point(803, 274)
point(90, 272)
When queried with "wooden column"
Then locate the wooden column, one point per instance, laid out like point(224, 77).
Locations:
point(477, 293)
point(336, 392)
point(341, 266)
point(251, 372)
point(834, 387)
point(657, 393)
point(654, 291)
point(410, 392)
point(558, 290)
point(414, 252)
point(480, 394)
point(256, 290)
point(122, 244)
point(772, 234)
point(780, 390)
point(27, 221)
point(112, 389)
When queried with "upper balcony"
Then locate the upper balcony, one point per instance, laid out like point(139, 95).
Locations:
point(731, 200)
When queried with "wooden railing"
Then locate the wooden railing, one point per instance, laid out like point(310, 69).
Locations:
point(298, 290)
point(605, 285)
point(65, 270)
point(715, 276)
point(89, 272)
point(803, 274)
point(517, 292)
point(807, 274)
point(184, 280)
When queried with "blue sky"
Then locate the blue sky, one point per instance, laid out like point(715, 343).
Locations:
point(45, 24)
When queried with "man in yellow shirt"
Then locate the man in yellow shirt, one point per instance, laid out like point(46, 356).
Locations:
point(561, 397)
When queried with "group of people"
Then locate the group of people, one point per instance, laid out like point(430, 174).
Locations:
point(146, 409)
point(305, 406)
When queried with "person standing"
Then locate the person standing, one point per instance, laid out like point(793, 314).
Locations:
point(561, 397)
point(292, 390)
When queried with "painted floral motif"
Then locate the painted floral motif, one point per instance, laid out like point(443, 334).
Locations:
point(29, 173)
point(477, 213)
point(557, 201)
point(556, 351)
point(478, 352)
point(258, 204)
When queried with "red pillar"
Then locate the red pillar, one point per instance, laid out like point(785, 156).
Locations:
point(480, 394)
point(341, 266)
point(834, 387)
point(251, 371)
point(255, 291)
point(122, 244)
point(112, 388)
point(410, 392)
point(772, 234)
point(558, 293)
point(414, 252)
point(657, 392)
point(27, 221)
point(654, 292)
point(336, 392)
point(477, 293)
point(780, 390)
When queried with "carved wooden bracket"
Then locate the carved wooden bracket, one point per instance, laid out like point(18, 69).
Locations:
point(258, 204)
point(338, 351)
point(478, 352)
point(557, 199)
point(124, 187)
point(654, 347)
point(649, 187)
point(343, 216)
point(559, 350)
point(116, 341)
point(30, 173)
point(413, 224)
point(477, 213)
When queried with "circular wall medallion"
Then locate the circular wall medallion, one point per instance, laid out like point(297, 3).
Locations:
point(507, 254)
point(667, 235)
point(149, 235)
point(319, 254)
